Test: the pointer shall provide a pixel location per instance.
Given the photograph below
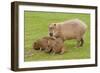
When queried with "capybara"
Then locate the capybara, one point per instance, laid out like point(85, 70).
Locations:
point(67, 30)
point(50, 44)
point(55, 46)
point(41, 44)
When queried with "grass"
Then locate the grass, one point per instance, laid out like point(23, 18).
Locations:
point(36, 26)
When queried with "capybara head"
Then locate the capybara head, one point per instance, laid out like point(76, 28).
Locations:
point(54, 29)
point(41, 44)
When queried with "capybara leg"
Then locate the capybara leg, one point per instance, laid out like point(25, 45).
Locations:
point(48, 50)
point(81, 42)
point(62, 50)
point(40, 49)
point(53, 51)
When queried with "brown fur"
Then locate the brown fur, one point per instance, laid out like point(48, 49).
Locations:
point(41, 44)
point(55, 46)
point(49, 44)
point(67, 30)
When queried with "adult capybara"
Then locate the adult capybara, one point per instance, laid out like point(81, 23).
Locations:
point(67, 30)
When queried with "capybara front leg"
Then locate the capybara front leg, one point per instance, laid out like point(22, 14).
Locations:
point(48, 50)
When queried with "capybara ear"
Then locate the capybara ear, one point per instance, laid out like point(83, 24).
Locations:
point(34, 43)
point(54, 24)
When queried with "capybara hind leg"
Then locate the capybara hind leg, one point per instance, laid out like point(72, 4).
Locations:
point(78, 42)
point(62, 50)
point(81, 42)
point(53, 52)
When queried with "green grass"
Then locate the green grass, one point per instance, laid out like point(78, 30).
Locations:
point(36, 26)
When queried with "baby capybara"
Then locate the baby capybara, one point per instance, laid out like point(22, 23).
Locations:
point(50, 44)
point(55, 46)
point(42, 43)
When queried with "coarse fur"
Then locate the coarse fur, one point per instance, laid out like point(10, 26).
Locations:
point(55, 46)
point(41, 44)
point(67, 30)
point(50, 44)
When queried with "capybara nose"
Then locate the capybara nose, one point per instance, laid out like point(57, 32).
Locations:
point(51, 34)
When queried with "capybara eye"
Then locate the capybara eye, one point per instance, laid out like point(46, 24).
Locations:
point(54, 24)
point(51, 34)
